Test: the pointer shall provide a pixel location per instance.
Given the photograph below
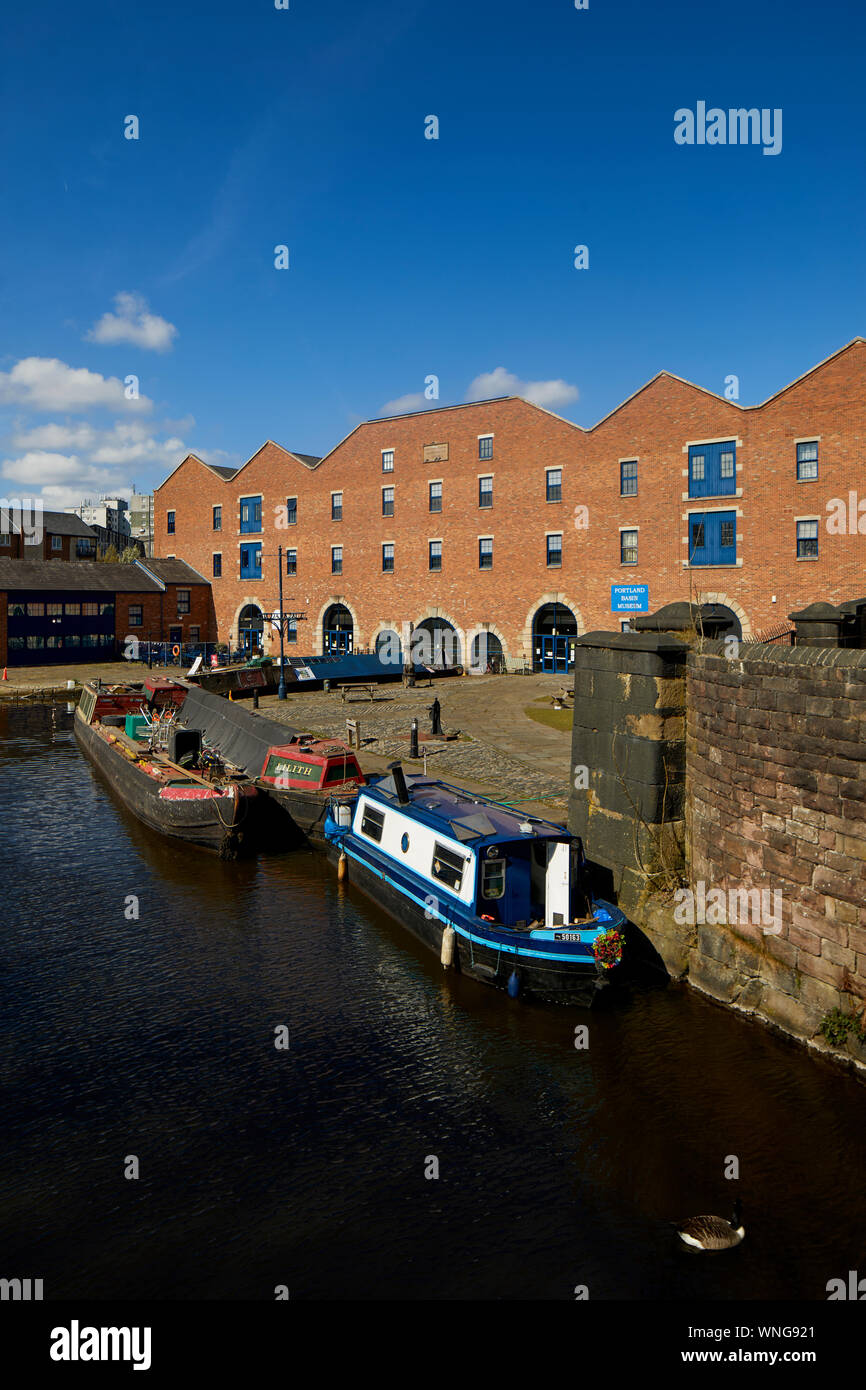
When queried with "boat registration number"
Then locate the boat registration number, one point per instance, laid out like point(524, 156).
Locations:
point(566, 936)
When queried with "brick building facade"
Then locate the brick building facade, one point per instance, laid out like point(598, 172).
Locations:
point(66, 612)
point(30, 534)
point(499, 517)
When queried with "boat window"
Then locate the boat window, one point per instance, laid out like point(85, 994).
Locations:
point(372, 823)
point(493, 878)
point(447, 866)
point(343, 772)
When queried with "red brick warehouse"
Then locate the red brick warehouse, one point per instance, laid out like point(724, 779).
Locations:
point(501, 517)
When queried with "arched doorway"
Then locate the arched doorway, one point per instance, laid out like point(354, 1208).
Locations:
point(435, 642)
point(554, 629)
point(389, 648)
point(251, 625)
point(486, 653)
point(337, 630)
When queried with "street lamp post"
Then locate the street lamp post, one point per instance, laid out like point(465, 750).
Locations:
point(281, 689)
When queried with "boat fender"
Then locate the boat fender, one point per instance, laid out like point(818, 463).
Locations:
point(342, 867)
point(447, 953)
point(513, 984)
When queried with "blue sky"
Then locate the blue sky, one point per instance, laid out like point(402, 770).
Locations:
point(408, 256)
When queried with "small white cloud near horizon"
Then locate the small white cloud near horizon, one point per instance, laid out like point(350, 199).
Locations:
point(501, 382)
point(405, 405)
point(44, 384)
point(133, 323)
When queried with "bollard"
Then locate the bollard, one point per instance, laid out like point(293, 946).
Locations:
point(413, 740)
point(255, 699)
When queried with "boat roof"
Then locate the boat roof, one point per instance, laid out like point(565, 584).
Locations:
point(463, 815)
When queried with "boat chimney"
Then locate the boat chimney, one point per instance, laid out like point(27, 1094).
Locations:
point(396, 771)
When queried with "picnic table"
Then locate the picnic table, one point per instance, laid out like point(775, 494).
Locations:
point(350, 693)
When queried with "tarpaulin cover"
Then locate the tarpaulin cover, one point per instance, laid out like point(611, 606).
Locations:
point(241, 736)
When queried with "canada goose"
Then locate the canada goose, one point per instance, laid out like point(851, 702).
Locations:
point(713, 1232)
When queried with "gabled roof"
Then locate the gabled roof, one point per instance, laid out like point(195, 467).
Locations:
point(56, 524)
point(172, 571)
point(81, 575)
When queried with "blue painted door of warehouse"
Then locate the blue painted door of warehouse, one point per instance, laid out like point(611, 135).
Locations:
point(554, 654)
point(713, 538)
point(337, 641)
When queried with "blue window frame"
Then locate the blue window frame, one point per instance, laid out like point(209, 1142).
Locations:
point(217, 565)
point(485, 446)
point(554, 484)
point(807, 540)
point(713, 469)
point(251, 562)
point(291, 511)
point(388, 558)
point(628, 547)
point(434, 502)
point(435, 555)
point(291, 562)
point(807, 461)
point(485, 553)
point(387, 501)
point(485, 491)
point(169, 524)
point(713, 538)
point(554, 551)
point(251, 514)
point(217, 518)
point(336, 559)
point(336, 506)
point(628, 479)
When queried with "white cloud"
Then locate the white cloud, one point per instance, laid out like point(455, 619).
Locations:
point(403, 405)
point(38, 469)
point(133, 323)
point(47, 384)
point(501, 382)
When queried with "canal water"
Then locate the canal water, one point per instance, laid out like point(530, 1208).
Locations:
point(558, 1167)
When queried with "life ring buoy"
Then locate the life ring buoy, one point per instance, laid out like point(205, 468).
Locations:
point(175, 651)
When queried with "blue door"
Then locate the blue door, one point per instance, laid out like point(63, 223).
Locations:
point(337, 641)
point(554, 655)
point(713, 538)
point(713, 469)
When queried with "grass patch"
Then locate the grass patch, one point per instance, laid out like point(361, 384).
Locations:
point(554, 718)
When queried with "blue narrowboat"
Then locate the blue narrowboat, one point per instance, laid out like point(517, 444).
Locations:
point(499, 895)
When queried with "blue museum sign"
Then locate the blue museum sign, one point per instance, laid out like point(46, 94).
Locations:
point(629, 598)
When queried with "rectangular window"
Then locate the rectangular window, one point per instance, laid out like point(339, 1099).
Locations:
point(388, 559)
point(169, 523)
point(807, 461)
point(292, 630)
point(387, 501)
point(136, 615)
point(291, 511)
point(336, 559)
point(106, 610)
point(387, 460)
point(291, 562)
point(435, 498)
point(195, 634)
point(56, 542)
point(36, 610)
point(217, 565)
point(372, 822)
point(251, 515)
point(628, 547)
point(5, 538)
point(72, 610)
point(90, 610)
point(628, 479)
point(713, 538)
point(435, 555)
point(182, 601)
point(554, 484)
point(485, 553)
point(336, 506)
point(251, 562)
point(485, 491)
point(447, 866)
point(54, 610)
point(485, 446)
point(554, 552)
point(712, 469)
point(217, 518)
point(807, 540)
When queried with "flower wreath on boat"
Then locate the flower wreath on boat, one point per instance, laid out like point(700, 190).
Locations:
point(608, 947)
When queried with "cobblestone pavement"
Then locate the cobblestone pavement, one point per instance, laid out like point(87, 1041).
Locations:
point(498, 748)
